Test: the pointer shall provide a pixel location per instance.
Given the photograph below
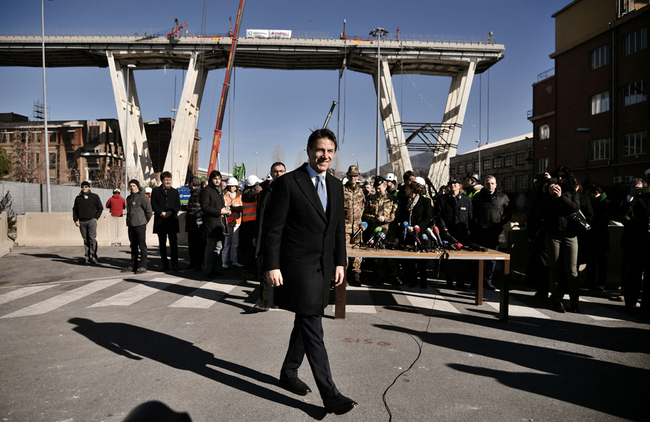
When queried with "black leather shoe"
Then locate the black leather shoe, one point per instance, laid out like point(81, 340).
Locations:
point(258, 307)
point(295, 385)
point(339, 404)
point(558, 307)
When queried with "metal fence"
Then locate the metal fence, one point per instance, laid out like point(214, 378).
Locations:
point(32, 197)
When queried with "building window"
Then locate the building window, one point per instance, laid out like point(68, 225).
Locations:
point(543, 132)
point(542, 165)
point(507, 183)
point(476, 166)
point(634, 93)
point(636, 41)
point(599, 57)
point(498, 162)
point(600, 103)
point(635, 143)
point(520, 182)
point(487, 164)
point(520, 158)
point(508, 161)
point(599, 149)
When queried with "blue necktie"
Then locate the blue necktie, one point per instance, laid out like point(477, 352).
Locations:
point(320, 190)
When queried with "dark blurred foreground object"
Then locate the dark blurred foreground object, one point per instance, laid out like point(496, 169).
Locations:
point(155, 411)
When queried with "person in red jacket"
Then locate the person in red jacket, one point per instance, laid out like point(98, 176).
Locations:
point(116, 204)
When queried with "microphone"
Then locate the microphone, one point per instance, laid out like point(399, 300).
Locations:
point(416, 237)
point(425, 242)
point(455, 244)
point(360, 230)
point(437, 233)
point(432, 236)
point(381, 236)
point(405, 231)
point(372, 239)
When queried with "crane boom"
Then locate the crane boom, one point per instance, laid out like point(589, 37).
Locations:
point(216, 140)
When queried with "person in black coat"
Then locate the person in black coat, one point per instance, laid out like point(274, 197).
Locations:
point(215, 226)
point(304, 251)
point(597, 243)
point(193, 226)
point(561, 200)
point(456, 216)
point(417, 210)
point(86, 211)
point(166, 203)
point(492, 211)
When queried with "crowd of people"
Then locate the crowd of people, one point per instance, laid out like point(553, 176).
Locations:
point(224, 220)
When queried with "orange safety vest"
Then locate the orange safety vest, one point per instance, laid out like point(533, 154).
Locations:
point(250, 212)
point(235, 216)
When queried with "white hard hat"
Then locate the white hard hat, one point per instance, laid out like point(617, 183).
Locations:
point(253, 180)
point(232, 182)
point(147, 190)
point(421, 181)
point(390, 177)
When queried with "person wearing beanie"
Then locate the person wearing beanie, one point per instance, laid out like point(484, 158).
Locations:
point(86, 211)
point(166, 203)
point(215, 225)
point(138, 214)
point(116, 204)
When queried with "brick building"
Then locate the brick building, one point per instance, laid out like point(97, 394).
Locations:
point(79, 150)
point(591, 111)
point(510, 161)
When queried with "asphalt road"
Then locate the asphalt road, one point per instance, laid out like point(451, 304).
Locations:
point(88, 343)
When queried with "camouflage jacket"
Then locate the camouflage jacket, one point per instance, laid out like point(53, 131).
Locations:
point(354, 202)
point(380, 206)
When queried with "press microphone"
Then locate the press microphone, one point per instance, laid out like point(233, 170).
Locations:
point(416, 231)
point(372, 239)
point(455, 244)
point(360, 230)
point(406, 231)
point(432, 236)
point(381, 236)
point(437, 233)
point(425, 242)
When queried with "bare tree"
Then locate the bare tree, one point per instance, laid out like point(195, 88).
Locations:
point(278, 154)
point(299, 159)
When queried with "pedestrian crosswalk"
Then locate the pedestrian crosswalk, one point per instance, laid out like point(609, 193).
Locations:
point(202, 295)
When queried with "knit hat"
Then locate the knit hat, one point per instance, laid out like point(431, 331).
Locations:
point(135, 182)
point(85, 183)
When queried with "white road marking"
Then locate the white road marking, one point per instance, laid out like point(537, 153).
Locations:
point(137, 293)
point(428, 301)
point(205, 296)
point(63, 299)
point(20, 293)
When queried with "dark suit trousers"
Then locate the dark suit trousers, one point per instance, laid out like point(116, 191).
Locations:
point(307, 339)
point(173, 245)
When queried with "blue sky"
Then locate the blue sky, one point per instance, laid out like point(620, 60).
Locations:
point(273, 107)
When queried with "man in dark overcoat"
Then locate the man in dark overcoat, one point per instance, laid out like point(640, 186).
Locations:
point(304, 251)
point(166, 204)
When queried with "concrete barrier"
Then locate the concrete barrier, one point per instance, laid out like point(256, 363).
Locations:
point(58, 229)
point(6, 244)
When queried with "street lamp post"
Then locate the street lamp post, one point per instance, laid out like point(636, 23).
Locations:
point(126, 127)
point(378, 32)
point(255, 162)
point(586, 130)
point(47, 144)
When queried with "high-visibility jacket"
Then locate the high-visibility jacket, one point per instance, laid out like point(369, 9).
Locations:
point(250, 212)
point(235, 216)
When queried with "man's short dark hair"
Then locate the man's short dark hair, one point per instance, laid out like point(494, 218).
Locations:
point(407, 175)
point(164, 175)
point(321, 133)
point(278, 163)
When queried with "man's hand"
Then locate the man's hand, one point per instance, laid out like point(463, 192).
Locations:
point(339, 275)
point(381, 219)
point(76, 223)
point(275, 277)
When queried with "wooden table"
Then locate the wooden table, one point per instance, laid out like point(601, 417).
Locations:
point(481, 257)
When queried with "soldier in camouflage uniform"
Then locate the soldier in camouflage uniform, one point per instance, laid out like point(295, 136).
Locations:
point(380, 211)
point(354, 202)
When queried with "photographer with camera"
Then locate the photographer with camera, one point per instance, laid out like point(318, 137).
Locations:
point(560, 201)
